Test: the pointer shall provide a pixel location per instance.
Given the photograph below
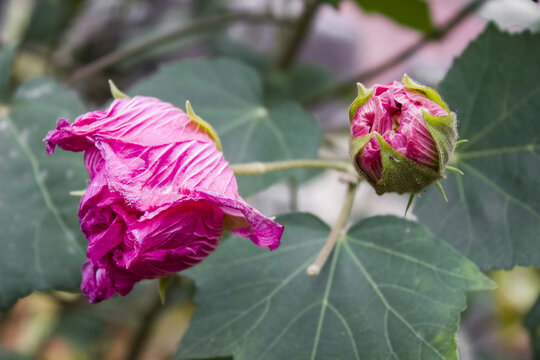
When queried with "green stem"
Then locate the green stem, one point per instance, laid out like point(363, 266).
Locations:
point(141, 337)
point(436, 35)
point(315, 268)
point(173, 34)
point(259, 168)
point(290, 51)
point(292, 184)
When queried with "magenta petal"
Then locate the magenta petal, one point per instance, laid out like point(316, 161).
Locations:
point(160, 194)
point(100, 282)
point(96, 284)
point(370, 159)
point(263, 231)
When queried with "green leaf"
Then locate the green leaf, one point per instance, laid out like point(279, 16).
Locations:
point(300, 83)
point(40, 239)
point(49, 18)
point(412, 13)
point(493, 213)
point(390, 289)
point(224, 46)
point(6, 61)
point(229, 96)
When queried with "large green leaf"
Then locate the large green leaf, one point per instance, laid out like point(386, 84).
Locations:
point(6, 61)
point(301, 83)
point(413, 13)
point(229, 95)
point(389, 290)
point(40, 239)
point(493, 214)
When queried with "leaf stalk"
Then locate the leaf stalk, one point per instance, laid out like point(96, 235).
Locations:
point(294, 45)
point(259, 168)
point(145, 45)
point(437, 34)
point(315, 268)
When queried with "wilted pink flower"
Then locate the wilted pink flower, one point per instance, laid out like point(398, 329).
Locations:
point(160, 194)
point(413, 124)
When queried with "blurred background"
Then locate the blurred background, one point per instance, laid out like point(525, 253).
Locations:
point(86, 42)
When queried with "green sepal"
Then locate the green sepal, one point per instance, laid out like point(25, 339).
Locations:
point(444, 133)
point(356, 145)
point(77, 193)
point(400, 174)
point(439, 186)
point(409, 203)
point(363, 96)
point(463, 141)
point(454, 169)
point(204, 125)
point(427, 91)
point(163, 282)
point(115, 92)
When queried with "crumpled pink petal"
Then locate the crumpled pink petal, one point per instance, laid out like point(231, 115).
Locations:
point(160, 194)
point(395, 112)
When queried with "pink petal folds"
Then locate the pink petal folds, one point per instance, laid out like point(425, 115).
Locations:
point(160, 194)
point(395, 113)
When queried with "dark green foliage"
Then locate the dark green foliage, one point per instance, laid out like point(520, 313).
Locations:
point(389, 287)
point(493, 213)
point(41, 243)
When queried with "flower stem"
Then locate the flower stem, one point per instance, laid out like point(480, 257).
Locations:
point(141, 336)
point(259, 168)
point(315, 268)
point(291, 49)
point(292, 184)
point(436, 35)
point(176, 33)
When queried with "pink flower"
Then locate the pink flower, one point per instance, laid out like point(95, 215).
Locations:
point(413, 124)
point(160, 194)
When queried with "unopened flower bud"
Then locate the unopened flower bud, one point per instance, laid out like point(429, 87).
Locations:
point(402, 136)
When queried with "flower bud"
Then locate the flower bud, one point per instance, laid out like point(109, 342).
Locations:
point(402, 136)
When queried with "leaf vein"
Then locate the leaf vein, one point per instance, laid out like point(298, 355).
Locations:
point(41, 185)
point(406, 257)
point(495, 187)
point(286, 281)
point(385, 302)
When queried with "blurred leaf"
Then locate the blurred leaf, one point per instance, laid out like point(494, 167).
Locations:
point(412, 13)
point(334, 3)
point(40, 239)
point(6, 61)
point(300, 83)
point(532, 323)
point(4, 355)
point(225, 46)
point(202, 8)
point(390, 289)
point(493, 216)
point(80, 328)
point(49, 19)
point(229, 95)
